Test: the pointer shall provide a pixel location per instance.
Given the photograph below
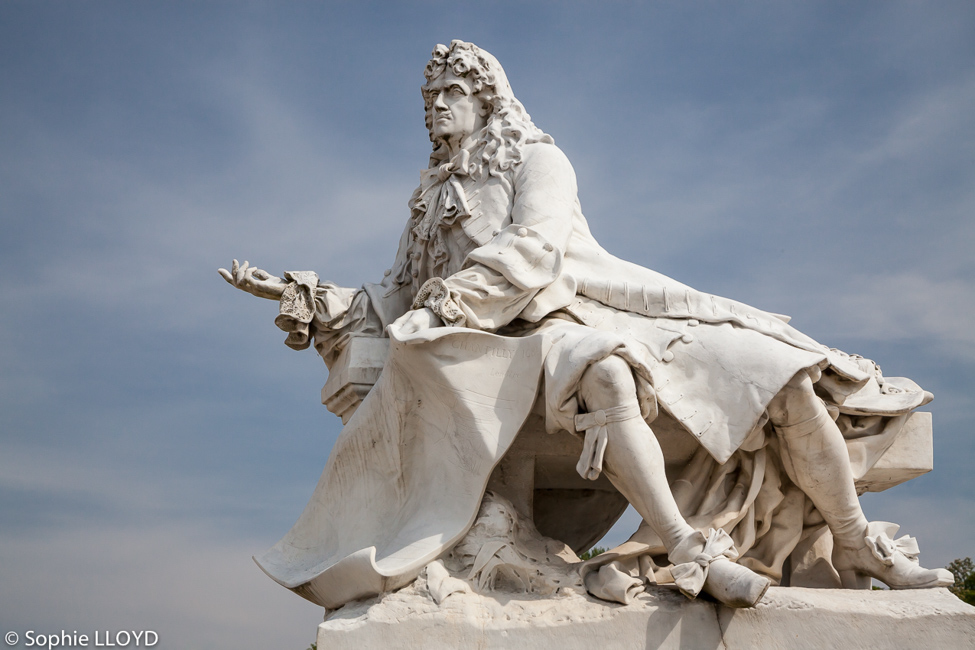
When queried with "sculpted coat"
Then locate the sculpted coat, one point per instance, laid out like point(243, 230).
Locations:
point(500, 301)
point(517, 257)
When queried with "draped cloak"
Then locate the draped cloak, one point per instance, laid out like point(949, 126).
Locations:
point(542, 301)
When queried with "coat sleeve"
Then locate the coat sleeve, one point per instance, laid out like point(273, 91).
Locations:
point(324, 312)
point(500, 279)
point(311, 309)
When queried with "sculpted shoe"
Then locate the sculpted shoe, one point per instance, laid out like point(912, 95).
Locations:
point(733, 585)
point(709, 565)
point(893, 562)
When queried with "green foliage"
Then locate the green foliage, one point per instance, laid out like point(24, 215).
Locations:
point(593, 552)
point(964, 572)
point(313, 646)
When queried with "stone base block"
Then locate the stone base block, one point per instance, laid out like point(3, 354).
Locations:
point(353, 375)
point(791, 618)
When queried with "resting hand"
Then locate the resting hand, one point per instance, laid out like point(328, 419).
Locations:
point(417, 320)
point(254, 281)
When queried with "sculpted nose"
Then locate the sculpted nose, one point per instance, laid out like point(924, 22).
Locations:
point(439, 103)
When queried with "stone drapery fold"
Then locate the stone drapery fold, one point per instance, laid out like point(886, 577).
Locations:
point(404, 481)
point(441, 200)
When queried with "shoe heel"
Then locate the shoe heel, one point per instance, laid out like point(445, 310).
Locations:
point(853, 579)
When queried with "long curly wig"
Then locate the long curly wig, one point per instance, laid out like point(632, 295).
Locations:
point(509, 127)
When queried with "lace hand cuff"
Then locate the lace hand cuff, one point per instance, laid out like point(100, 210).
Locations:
point(297, 308)
point(435, 295)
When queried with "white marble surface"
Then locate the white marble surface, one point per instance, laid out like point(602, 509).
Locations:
point(497, 258)
point(787, 618)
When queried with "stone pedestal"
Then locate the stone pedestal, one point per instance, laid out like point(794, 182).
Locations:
point(353, 375)
point(909, 456)
point(788, 618)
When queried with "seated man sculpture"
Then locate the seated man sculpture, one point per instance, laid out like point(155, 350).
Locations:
point(497, 243)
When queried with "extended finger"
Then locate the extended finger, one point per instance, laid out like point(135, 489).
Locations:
point(234, 267)
point(225, 274)
point(241, 271)
point(261, 274)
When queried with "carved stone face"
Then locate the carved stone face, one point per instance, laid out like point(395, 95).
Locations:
point(457, 112)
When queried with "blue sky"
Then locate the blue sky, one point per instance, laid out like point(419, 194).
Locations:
point(814, 159)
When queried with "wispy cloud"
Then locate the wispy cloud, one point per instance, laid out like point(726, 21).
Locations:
point(192, 587)
point(907, 306)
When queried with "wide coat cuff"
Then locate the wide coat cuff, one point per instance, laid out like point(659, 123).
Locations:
point(307, 304)
point(522, 255)
point(297, 308)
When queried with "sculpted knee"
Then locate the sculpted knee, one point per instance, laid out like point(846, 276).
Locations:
point(607, 383)
point(796, 402)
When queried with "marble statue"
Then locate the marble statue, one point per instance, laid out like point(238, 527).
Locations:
point(735, 437)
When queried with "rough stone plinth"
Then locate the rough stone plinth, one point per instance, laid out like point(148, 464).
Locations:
point(353, 375)
point(788, 618)
point(910, 456)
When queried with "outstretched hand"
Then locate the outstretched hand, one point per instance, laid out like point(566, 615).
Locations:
point(254, 281)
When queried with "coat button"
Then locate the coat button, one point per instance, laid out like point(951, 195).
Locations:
point(415, 273)
point(694, 322)
point(387, 272)
point(523, 232)
point(548, 247)
point(687, 338)
point(668, 356)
